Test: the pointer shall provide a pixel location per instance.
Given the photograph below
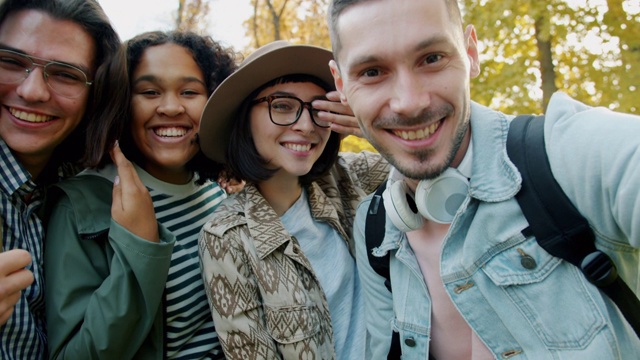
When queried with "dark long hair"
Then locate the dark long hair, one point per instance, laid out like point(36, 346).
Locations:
point(109, 81)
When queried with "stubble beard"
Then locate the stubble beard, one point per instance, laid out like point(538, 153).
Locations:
point(424, 168)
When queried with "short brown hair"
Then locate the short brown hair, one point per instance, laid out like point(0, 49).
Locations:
point(337, 7)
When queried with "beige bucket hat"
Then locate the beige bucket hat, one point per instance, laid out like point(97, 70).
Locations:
point(269, 62)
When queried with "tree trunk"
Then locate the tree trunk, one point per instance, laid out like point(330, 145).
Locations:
point(547, 69)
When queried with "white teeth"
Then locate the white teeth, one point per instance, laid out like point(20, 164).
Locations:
point(170, 132)
point(298, 147)
point(417, 135)
point(30, 117)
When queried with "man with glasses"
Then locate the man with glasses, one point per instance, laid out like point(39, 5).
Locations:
point(55, 56)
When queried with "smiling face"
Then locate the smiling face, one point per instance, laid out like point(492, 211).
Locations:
point(408, 85)
point(34, 119)
point(291, 149)
point(168, 95)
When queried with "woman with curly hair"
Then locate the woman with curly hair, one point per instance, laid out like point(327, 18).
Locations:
point(122, 244)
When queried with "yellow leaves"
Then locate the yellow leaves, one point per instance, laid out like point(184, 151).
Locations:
point(297, 21)
point(511, 78)
point(355, 144)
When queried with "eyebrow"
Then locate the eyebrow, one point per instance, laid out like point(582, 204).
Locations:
point(155, 79)
point(79, 66)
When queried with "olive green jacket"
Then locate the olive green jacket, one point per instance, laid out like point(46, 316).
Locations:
point(104, 285)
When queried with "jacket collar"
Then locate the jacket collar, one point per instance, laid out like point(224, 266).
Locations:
point(264, 224)
point(90, 195)
point(494, 177)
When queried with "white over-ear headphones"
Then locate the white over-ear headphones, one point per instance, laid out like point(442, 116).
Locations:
point(436, 199)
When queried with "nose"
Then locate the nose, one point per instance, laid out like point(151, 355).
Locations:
point(171, 106)
point(410, 96)
point(304, 123)
point(34, 87)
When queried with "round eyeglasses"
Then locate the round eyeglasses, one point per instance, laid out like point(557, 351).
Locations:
point(64, 79)
point(285, 110)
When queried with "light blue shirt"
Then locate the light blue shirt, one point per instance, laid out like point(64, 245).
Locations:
point(336, 271)
point(550, 311)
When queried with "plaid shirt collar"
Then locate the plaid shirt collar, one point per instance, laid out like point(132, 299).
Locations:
point(12, 175)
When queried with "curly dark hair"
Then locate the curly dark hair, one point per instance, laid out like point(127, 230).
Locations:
point(216, 63)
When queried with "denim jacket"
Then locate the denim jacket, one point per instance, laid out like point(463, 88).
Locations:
point(549, 311)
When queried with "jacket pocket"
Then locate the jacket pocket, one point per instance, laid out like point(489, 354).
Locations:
point(289, 324)
point(552, 295)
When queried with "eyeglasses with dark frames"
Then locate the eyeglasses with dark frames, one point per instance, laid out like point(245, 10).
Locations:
point(64, 79)
point(285, 110)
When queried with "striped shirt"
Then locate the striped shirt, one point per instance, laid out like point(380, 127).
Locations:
point(183, 210)
point(23, 336)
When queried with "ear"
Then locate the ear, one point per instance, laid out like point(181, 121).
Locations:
point(471, 42)
point(337, 79)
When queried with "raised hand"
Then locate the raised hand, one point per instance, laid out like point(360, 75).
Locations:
point(13, 279)
point(339, 114)
point(228, 183)
point(132, 206)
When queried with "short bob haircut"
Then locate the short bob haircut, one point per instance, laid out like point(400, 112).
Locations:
point(215, 62)
point(243, 157)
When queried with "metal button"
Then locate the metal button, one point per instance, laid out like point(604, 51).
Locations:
point(410, 342)
point(526, 260)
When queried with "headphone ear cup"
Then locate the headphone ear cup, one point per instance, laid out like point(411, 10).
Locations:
point(401, 207)
point(439, 199)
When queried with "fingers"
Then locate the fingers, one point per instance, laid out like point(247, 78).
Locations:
point(234, 186)
point(13, 260)
point(342, 124)
point(13, 279)
point(333, 96)
point(347, 130)
point(132, 206)
point(332, 104)
point(126, 172)
point(338, 114)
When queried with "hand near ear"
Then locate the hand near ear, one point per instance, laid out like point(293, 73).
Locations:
point(228, 183)
point(338, 113)
point(132, 206)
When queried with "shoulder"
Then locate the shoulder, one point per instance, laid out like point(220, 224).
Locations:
point(366, 170)
point(565, 113)
point(591, 133)
point(86, 189)
point(87, 196)
point(361, 161)
point(230, 213)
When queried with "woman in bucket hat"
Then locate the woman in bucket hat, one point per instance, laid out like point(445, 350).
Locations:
point(277, 258)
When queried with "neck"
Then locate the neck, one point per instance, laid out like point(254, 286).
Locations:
point(281, 192)
point(179, 176)
point(34, 164)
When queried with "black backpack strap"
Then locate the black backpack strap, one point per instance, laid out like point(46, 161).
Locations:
point(558, 227)
point(374, 234)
